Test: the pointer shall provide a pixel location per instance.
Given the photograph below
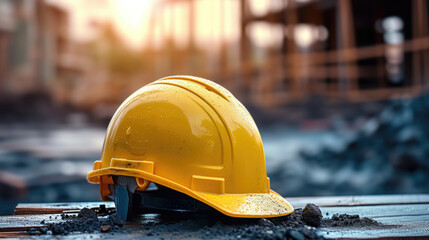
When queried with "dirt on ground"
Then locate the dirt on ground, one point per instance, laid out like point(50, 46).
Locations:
point(87, 221)
point(301, 224)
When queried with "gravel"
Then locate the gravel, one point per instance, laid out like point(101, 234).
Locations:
point(298, 225)
point(346, 220)
point(292, 226)
point(87, 213)
point(87, 221)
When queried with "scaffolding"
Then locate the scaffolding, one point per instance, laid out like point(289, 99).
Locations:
point(335, 69)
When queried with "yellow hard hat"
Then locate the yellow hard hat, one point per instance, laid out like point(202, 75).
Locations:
point(193, 136)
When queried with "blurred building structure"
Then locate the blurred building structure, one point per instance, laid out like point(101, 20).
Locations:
point(34, 45)
point(342, 50)
point(39, 57)
point(268, 53)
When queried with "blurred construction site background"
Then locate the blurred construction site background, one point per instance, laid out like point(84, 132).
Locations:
point(338, 88)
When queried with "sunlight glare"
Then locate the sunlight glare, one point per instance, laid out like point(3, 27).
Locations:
point(132, 18)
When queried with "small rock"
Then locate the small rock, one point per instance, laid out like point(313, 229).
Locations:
point(312, 215)
point(105, 228)
point(265, 222)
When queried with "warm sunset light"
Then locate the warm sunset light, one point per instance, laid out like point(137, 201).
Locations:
point(140, 22)
point(132, 18)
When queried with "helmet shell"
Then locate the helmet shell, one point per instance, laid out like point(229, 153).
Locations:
point(193, 136)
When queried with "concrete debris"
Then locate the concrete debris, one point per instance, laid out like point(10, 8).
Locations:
point(312, 215)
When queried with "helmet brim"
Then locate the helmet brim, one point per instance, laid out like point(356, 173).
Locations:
point(246, 205)
point(253, 205)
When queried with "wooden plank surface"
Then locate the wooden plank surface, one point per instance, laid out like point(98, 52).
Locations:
point(361, 200)
point(51, 208)
point(404, 220)
point(403, 216)
point(297, 202)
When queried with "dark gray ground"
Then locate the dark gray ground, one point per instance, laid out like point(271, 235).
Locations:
point(301, 224)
